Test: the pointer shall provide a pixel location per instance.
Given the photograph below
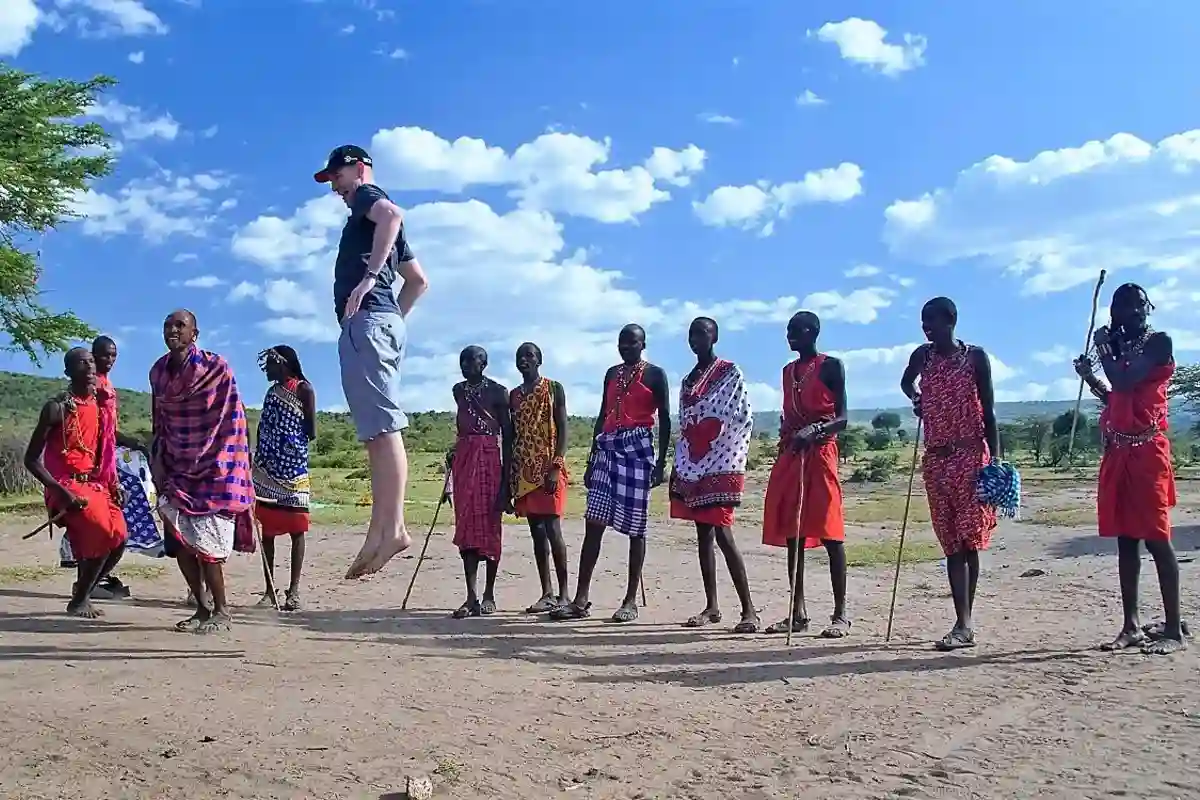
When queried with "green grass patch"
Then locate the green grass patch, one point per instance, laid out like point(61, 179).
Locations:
point(1064, 516)
point(141, 572)
point(26, 574)
point(883, 553)
point(886, 509)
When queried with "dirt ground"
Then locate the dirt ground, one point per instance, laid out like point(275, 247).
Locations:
point(348, 698)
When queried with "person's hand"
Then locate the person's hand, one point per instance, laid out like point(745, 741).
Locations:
point(656, 475)
point(587, 472)
point(552, 477)
point(68, 500)
point(354, 302)
point(448, 498)
point(805, 436)
point(1102, 340)
point(120, 495)
point(916, 406)
point(504, 503)
point(1083, 367)
point(449, 458)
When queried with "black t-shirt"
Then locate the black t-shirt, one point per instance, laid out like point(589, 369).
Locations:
point(354, 249)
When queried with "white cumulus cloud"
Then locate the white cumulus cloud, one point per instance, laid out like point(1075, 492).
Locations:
point(864, 42)
point(18, 20)
point(760, 205)
point(1059, 217)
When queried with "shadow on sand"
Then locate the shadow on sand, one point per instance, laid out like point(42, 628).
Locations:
point(47, 653)
point(1185, 537)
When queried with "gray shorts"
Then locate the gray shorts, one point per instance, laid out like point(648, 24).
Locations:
point(371, 351)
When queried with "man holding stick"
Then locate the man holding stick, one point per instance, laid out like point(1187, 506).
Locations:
point(65, 454)
point(803, 504)
point(371, 254)
point(956, 404)
point(1137, 483)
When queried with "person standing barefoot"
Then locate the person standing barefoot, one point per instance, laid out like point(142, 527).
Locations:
point(281, 480)
point(372, 253)
point(709, 474)
point(538, 477)
point(65, 454)
point(622, 469)
point(1137, 483)
point(803, 505)
point(479, 468)
point(955, 401)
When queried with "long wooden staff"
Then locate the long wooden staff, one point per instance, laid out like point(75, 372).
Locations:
point(794, 565)
point(420, 559)
point(48, 523)
point(912, 474)
point(266, 567)
point(1087, 345)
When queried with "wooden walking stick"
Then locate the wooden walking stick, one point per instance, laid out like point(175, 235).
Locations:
point(48, 523)
point(1087, 345)
point(912, 473)
point(420, 559)
point(266, 567)
point(794, 566)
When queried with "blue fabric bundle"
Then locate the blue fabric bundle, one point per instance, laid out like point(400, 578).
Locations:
point(999, 485)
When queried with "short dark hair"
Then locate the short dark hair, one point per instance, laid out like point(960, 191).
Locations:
point(945, 306)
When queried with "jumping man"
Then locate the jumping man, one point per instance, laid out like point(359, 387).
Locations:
point(622, 468)
point(479, 467)
point(955, 403)
point(803, 504)
point(538, 477)
point(65, 454)
point(281, 482)
point(709, 474)
point(1137, 484)
point(372, 253)
point(201, 465)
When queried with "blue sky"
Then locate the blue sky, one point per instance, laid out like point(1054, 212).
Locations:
point(569, 168)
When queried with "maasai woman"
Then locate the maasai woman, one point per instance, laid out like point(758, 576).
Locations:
point(803, 505)
point(281, 484)
point(709, 474)
point(1137, 483)
point(956, 405)
point(64, 454)
point(539, 475)
point(622, 468)
point(479, 468)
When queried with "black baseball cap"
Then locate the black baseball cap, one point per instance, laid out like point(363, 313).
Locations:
point(340, 157)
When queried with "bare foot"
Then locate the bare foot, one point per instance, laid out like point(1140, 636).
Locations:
point(366, 555)
point(85, 610)
point(1125, 640)
point(389, 549)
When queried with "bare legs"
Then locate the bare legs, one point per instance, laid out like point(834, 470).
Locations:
point(387, 535)
point(962, 569)
point(593, 537)
point(199, 574)
point(548, 542)
point(839, 623)
point(722, 537)
point(1129, 565)
point(473, 607)
point(292, 595)
point(90, 571)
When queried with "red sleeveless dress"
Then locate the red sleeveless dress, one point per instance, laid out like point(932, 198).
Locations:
point(955, 450)
point(1137, 482)
point(804, 495)
point(71, 455)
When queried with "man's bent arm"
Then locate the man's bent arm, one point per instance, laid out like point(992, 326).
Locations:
point(51, 415)
point(415, 284)
point(388, 221)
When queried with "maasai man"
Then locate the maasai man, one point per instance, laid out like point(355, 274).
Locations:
point(1137, 483)
point(709, 474)
point(372, 254)
point(201, 465)
point(622, 468)
point(65, 454)
point(281, 484)
point(479, 466)
point(125, 455)
point(538, 480)
point(803, 504)
point(955, 403)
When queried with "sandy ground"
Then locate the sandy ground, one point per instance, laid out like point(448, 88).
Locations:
point(346, 699)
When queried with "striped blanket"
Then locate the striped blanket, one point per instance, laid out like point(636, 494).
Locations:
point(201, 444)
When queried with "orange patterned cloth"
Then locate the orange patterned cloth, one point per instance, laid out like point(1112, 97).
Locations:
point(535, 441)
